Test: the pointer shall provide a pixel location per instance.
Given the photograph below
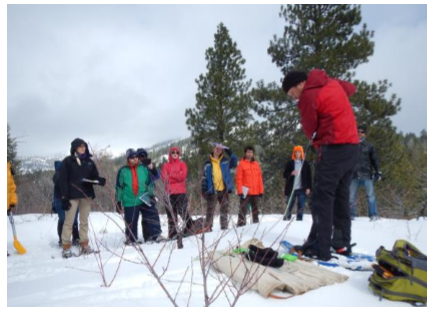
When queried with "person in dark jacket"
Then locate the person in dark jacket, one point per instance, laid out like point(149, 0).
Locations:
point(303, 182)
point(217, 183)
point(78, 174)
point(364, 176)
point(326, 111)
point(133, 197)
point(57, 204)
point(154, 175)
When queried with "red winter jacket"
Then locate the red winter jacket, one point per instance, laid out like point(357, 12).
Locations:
point(248, 174)
point(325, 108)
point(174, 174)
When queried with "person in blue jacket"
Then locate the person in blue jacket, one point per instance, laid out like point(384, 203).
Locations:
point(217, 183)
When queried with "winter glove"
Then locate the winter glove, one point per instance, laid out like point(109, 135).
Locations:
point(378, 176)
point(119, 207)
point(229, 152)
point(66, 205)
point(241, 198)
point(102, 181)
point(261, 195)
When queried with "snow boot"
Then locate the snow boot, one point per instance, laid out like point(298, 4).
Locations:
point(66, 253)
point(85, 248)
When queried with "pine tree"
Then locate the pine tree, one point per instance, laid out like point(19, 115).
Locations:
point(223, 103)
point(12, 151)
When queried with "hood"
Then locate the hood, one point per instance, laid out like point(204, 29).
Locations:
point(76, 143)
point(170, 158)
point(57, 165)
point(316, 79)
point(298, 148)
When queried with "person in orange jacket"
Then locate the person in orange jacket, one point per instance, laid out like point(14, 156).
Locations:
point(249, 184)
point(12, 191)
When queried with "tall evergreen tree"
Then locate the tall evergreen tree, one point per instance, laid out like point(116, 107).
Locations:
point(12, 150)
point(223, 103)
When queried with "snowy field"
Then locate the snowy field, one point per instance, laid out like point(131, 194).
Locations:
point(42, 278)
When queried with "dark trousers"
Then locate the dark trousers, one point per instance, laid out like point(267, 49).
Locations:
point(301, 197)
point(330, 201)
point(243, 212)
point(62, 215)
point(177, 205)
point(131, 223)
point(223, 198)
point(150, 222)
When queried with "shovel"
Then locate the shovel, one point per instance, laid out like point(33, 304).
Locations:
point(20, 249)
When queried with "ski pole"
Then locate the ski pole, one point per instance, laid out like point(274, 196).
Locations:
point(299, 175)
point(20, 249)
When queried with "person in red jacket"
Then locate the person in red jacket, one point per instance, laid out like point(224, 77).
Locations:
point(173, 175)
point(326, 110)
point(249, 184)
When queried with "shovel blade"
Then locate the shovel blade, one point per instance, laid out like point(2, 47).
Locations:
point(20, 249)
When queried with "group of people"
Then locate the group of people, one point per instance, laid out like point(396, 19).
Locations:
point(345, 162)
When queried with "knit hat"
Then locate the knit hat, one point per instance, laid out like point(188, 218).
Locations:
point(293, 78)
point(141, 152)
point(298, 148)
point(362, 127)
point(130, 153)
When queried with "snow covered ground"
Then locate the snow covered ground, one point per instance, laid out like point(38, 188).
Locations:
point(42, 278)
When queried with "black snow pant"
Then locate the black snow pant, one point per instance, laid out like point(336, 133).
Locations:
point(330, 201)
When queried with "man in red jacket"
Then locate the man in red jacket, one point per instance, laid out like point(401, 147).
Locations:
point(249, 184)
point(174, 174)
point(326, 110)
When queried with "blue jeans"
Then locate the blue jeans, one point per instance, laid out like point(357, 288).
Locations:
point(371, 198)
point(301, 197)
point(62, 214)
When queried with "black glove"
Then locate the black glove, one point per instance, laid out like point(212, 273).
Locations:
point(229, 152)
point(378, 176)
point(241, 198)
point(119, 207)
point(102, 181)
point(261, 195)
point(66, 205)
point(146, 162)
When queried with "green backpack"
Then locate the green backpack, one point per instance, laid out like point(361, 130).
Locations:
point(400, 274)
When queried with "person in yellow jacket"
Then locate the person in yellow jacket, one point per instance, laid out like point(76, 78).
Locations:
point(12, 191)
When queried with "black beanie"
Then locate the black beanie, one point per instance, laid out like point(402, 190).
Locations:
point(293, 78)
point(362, 127)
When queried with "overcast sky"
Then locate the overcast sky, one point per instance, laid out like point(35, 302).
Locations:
point(123, 75)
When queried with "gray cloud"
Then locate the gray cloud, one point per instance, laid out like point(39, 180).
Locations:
point(123, 75)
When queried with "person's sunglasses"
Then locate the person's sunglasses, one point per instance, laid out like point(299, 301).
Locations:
point(133, 157)
point(175, 152)
point(361, 132)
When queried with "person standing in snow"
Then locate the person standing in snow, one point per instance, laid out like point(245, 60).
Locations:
point(302, 187)
point(326, 110)
point(363, 175)
point(154, 175)
point(173, 175)
point(78, 174)
point(57, 204)
point(132, 196)
point(217, 183)
point(12, 198)
point(249, 184)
